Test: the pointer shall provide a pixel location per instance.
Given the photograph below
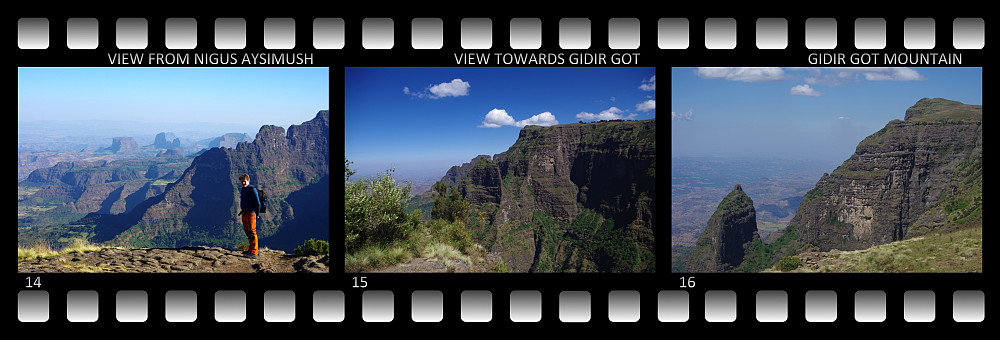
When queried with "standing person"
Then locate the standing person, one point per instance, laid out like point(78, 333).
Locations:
point(249, 209)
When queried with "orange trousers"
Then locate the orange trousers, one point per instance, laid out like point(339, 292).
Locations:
point(250, 228)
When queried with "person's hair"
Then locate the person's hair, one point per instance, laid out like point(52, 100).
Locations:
point(247, 177)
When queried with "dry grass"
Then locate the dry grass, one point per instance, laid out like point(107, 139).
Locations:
point(44, 251)
point(959, 251)
point(35, 252)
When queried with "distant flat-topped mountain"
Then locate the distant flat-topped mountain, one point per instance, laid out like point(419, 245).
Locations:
point(909, 178)
point(200, 207)
point(122, 144)
point(567, 198)
point(166, 140)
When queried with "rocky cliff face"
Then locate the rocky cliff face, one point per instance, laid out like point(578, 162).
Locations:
point(895, 177)
point(201, 207)
point(481, 181)
point(561, 172)
point(727, 236)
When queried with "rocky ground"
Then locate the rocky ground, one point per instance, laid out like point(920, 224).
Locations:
point(440, 265)
point(425, 265)
point(183, 260)
point(816, 261)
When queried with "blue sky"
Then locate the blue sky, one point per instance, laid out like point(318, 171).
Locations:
point(803, 113)
point(250, 96)
point(424, 120)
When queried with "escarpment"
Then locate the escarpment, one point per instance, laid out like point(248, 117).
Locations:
point(556, 174)
point(896, 177)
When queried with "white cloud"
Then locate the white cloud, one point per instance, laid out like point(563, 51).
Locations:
point(648, 105)
point(891, 74)
point(835, 76)
point(648, 85)
point(805, 90)
point(609, 114)
point(455, 88)
point(744, 74)
point(685, 116)
point(498, 117)
point(843, 75)
point(543, 119)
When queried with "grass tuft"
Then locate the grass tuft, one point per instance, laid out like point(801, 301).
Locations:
point(374, 257)
point(445, 252)
point(78, 245)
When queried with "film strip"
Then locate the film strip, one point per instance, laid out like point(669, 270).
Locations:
point(664, 44)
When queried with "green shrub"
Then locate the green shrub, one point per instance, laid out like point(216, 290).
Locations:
point(451, 233)
point(313, 247)
point(789, 263)
point(374, 211)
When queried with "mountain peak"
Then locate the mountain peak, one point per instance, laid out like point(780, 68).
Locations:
point(323, 117)
point(728, 235)
point(937, 109)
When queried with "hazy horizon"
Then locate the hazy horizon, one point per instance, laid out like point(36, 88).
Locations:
point(229, 95)
point(92, 105)
point(139, 129)
point(800, 113)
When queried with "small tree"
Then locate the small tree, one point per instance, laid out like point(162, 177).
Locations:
point(448, 204)
point(439, 210)
point(347, 171)
point(458, 209)
point(441, 188)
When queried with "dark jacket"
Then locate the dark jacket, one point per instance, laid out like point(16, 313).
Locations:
point(249, 200)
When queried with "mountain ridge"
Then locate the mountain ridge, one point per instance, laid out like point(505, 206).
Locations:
point(201, 206)
point(529, 198)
